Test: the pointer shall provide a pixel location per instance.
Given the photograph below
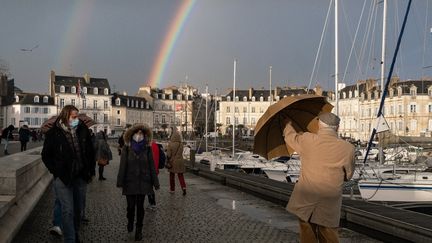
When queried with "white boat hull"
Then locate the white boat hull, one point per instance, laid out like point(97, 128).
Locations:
point(277, 175)
point(395, 192)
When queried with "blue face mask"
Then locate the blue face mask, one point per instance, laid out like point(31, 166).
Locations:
point(74, 123)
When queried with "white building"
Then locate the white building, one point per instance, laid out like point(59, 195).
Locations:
point(94, 100)
point(30, 109)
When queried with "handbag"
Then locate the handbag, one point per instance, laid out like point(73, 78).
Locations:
point(102, 162)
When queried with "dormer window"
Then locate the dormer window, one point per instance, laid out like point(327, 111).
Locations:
point(127, 102)
point(261, 99)
point(179, 97)
point(117, 101)
point(36, 99)
point(244, 98)
point(16, 98)
point(253, 98)
point(95, 91)
point(106, 91)
point(45, 99)
point(73, 90)
point(147, 106)
point(391, 93)
point(277, 98)
point(142, 104)
point(163, 96)
point(343, 95)
point(285, 96)
point(236, 98)
point(350, 94)
point(84, 90)
point(430, 91)
point(399, 89)
point(62, 89)
point(228, 98)
point(269, 98)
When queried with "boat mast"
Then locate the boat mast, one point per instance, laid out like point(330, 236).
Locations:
point(383, 45)
point(214, 118)
point(270, 90)
point(206, 119)
point(233, 110)
point(336, 60)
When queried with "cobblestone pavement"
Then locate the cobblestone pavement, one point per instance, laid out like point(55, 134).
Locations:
point(210, 212)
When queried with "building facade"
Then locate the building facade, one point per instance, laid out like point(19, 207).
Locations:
point(90, 95)
point(129, 110)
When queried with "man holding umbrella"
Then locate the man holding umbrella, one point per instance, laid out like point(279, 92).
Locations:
point(326, 162)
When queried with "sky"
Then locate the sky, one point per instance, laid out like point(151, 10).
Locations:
point(196, 42)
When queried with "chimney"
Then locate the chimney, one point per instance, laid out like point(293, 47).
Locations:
point(87, 78)
point(52, 83)
point(251, 92)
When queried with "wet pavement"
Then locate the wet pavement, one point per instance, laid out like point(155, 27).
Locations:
point(210, 212)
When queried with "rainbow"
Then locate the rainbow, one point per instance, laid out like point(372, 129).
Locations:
point(74, 33)
point(167, 46)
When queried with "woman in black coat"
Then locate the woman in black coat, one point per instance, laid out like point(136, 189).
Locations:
point(137, 174)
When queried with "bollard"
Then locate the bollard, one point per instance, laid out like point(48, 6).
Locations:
point(192, 158)
point(212, 165)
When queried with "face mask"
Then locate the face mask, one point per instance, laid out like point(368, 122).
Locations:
point(74, 123)
point(138, 137)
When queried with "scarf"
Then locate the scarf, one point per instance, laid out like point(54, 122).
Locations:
point(138, 147)
point(72, 138)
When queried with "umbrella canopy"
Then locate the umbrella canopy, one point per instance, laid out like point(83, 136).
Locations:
point(302, 110)
point(50, 122)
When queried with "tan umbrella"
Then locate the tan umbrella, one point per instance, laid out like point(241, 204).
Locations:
point(48, 124)
point(302, 110)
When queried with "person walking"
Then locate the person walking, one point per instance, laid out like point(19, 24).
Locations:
point(175, 160)
point(137, 174)
point(327, 161)
point(24, 137)
point(121, 141)
point(102, 152)
point(6, 137)
point(68, 154)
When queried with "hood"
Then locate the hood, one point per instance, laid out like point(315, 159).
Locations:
point(175, 136)
point(131, 131)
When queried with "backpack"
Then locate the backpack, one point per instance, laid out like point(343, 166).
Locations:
point(162, 157)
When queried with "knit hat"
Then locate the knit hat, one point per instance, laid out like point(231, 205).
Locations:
point(329, 119)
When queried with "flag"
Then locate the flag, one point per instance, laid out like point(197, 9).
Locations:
point(80, 91)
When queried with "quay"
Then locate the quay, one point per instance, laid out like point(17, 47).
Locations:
point(219, 206)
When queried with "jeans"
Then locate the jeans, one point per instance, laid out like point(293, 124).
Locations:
point(6, 142)
point(57, 219)
point(71, 201)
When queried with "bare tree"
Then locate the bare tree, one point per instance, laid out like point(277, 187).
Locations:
point(4, 67)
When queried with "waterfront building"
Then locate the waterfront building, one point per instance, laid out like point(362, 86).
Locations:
point(92, 96)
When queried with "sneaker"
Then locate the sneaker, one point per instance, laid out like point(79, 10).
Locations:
point(55, 230)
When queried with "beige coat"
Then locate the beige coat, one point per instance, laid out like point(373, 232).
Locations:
point(326, 162)
point(175, 153)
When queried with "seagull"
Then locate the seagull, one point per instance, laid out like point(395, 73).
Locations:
point(36, 46)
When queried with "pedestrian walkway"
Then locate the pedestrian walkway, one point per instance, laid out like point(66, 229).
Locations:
point(210, 212)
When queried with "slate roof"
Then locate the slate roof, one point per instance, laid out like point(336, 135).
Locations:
point(28, 99)
point(265, 93)
point(69, 81)
point(124, 98)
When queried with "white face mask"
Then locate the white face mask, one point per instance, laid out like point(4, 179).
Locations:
point(138, 137)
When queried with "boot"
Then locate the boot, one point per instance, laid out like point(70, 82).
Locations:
point(130, 226)
point(101, 170)
point(184, 191)
point(138, 233)
point(130, 217)
point(6, 152)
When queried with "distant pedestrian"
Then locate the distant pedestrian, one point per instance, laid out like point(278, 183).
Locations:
point(121, 141)
point(6, 137)
point(102, 153)
point(175, 162)
point(327, 161)
point(137, 174)
point(68, 155)
point(24, 137)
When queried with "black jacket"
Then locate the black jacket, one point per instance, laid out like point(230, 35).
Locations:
point(57, 154)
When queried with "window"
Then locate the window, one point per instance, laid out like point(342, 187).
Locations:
point(413, 124)
point(236, 98)
point(45, 110)
point(228, 109)
point(179, 97)
point(105, 91)
point(244, 98)
point(400, 125)
point(13, 121)
point(430, 125)
point(413, 91)
point(118, 122)
point(236, 109)
point(105, 118)
point(261, 98)
point(118, 112)
point(253, 98)
point(245, 120)
point(36, 99)
point(127, 102)
point(147, 106)
point(45, 99)
point(73, 102)
point(400, 109)
point(95, 91)
point(95, 117)
point(136, 103)
point(429, 108)
point(236, 120)
point(228, 98)
point(62, 103)
point(105, 104)
point(156, 119)
point(171, 119)
point(412, 108)
point(228, 121)
point(163, 119)
point(430, 92)
point(117, 101)
point(253, 110)
point(142, 104)
point(73, 89)
point(253, 120)
point(95, 104)
point(62, 89)
point(35, 110)
point(84, 104)
point(261, 110)
point(391, 110)
point(244, 109)
point(84, 90)
point(16, 98)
